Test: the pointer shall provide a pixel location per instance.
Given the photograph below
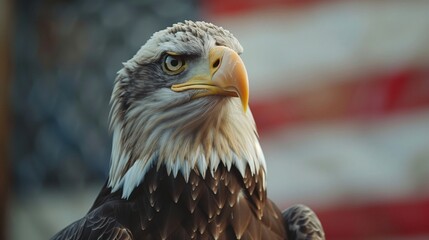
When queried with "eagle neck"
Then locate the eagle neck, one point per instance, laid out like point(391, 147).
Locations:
point(183, 144)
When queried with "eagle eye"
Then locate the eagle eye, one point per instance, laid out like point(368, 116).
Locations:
point(173, 64)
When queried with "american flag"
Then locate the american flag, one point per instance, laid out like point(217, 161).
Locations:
point(340, 94)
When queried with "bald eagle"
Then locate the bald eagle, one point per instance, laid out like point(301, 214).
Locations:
point(186, 162)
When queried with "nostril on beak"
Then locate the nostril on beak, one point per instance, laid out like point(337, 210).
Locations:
point(216, 63)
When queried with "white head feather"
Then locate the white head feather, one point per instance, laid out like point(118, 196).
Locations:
point(154, 126)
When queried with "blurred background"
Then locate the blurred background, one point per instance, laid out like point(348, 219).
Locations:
point(339, 90)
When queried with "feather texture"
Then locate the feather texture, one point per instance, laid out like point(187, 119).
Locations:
point(194, 211)
point(151, 122)
point(301, 223)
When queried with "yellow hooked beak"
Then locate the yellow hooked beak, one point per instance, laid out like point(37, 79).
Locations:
point(226, 76)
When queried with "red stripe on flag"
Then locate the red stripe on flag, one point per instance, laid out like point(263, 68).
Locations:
point(227, 7)
point(377, 96)
point(374, 221)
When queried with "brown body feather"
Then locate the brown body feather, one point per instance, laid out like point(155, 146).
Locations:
point(222, 205)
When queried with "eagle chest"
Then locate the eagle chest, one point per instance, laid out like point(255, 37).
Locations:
point(221, 205)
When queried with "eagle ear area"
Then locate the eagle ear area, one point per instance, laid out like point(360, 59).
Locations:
point(121, 95)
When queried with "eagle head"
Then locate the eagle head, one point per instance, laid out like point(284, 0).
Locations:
point(181, 102)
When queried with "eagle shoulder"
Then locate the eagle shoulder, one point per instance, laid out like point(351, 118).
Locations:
point(302, 223)
point(93, 227)
point(101, 222)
